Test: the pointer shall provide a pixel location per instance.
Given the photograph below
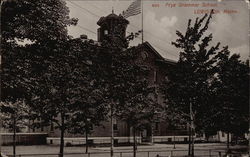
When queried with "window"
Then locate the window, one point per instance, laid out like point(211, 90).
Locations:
point(66, 117)
point(169, 139)
point(223, 134)
point(155, 76)
point(185, 139)
point(91, 126)
point(106, 32)
point(51, 127)
point(42, 127)
point(199, 135)
point(38, 125)
point(144, 55)
point(156, 126)
point(115, 127)
point(33, 127)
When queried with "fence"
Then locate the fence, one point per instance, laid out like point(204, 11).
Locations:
point(158, 153)
point(24, 138)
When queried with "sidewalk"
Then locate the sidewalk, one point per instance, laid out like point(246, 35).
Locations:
point(2, 155)
point(164, 146)
point(152, 146)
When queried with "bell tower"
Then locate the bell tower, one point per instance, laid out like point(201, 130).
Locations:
point(113, 26)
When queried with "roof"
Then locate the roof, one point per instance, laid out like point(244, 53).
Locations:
point(160, 58)
point(112, 16)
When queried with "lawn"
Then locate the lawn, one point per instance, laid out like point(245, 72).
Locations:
point(126, 151)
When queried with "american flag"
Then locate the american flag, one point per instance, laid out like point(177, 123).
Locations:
point(133, 9)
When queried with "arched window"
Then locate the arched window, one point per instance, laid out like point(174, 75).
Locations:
point(106, 32)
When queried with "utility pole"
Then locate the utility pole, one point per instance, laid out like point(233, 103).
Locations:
point(192, 129)
point(112, 132)
point(0, 78)
point(142, 38)
point(134, 137)
point(174, 139)
point(248, 4)
point(87, 128)
point(14, 135)
point(189, 139)
point(152, 134)
point(249, 82)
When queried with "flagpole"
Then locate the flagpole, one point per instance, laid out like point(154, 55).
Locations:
point(142, 21)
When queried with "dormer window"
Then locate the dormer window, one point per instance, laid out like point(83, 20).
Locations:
point(105, 32)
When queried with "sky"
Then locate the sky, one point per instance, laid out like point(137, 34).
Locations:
point(161, 19)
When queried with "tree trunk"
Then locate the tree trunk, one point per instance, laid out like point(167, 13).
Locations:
point(207, 137)
point(128, 130)
point(227, 141)
point(189, 141)
point(87, 144)
point(174, 139)
point(1, 137)
point(192, 148)
point(1, 82)
point(134, 146)
point(152, 133)
point(29, 126)
point(14, 136)
point(112, 133)
point(236, 140)
point(62, 136)
point(191, 129)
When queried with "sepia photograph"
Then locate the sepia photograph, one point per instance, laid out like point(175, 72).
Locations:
point(124, 78)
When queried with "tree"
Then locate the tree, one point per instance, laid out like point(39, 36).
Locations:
point(90, 109)
point(63, 89)
point(88, 115)
point(37, 21)
point(14, 118)
point(43, 25)
point(14, 73)
point(174, 120)
point(123, 82)
point(188, 84)
point(232, 91)
point(28, 20)
point(137, 103)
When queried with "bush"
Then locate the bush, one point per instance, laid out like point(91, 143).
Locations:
point(68, 144)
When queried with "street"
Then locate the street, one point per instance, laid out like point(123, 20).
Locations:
point(126, 151)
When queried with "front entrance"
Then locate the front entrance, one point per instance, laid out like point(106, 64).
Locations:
point(146, 134)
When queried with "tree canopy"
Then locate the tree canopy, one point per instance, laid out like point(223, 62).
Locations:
point(189, 81)
point(36, 21)
point(34, 37)
point(232, 93)
point(207, 86)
